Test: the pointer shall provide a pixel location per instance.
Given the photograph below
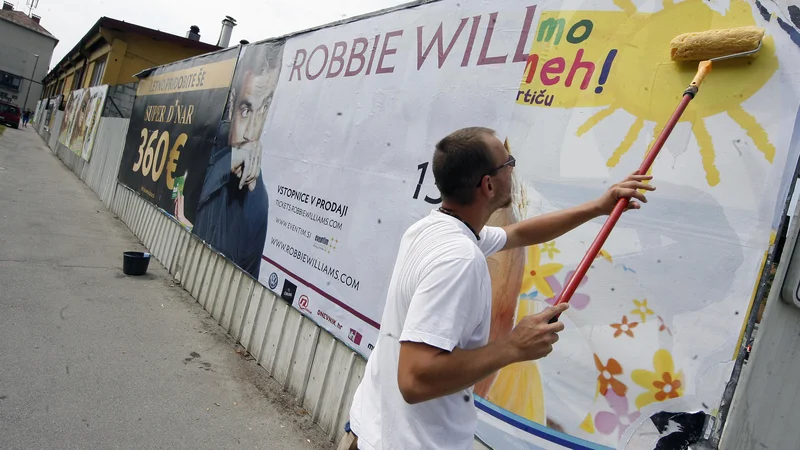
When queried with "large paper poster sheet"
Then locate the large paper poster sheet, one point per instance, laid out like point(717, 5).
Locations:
point(173, 125)
point(579, 90)
point(37, 115)
point(81, 119)
point(231, 213)
point(52, 106)
point(70, 112)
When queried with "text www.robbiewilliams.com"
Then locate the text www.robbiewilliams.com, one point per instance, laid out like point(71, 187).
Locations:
point(343, 278)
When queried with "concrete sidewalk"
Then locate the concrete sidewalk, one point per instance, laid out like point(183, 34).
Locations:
point(91, 358)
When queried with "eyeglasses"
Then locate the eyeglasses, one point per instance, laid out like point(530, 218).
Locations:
point(511, 162)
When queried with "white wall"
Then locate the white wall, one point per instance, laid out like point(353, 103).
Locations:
point(19, 44)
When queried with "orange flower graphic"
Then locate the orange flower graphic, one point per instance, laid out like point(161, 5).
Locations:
point(663, 326)
point(607, 378)
point(624, 327)
point(668, 388)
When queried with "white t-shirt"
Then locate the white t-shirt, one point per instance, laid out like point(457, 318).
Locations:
point(440, 294)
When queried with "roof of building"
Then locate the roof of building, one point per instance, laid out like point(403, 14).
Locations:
point(120, 25)
point(23, 20)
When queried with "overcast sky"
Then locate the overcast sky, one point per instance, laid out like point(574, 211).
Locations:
point(69, 20)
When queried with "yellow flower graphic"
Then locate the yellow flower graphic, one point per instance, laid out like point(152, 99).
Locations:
point(662, 384)
point(535, 273)
point(550, 249)
point(642, 310)
point(588, 424)
point(604, 254)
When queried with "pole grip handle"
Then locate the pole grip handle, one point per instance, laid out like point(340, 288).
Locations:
point(702, 70)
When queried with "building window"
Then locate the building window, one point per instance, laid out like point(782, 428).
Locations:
point(9, 81)
point(77, 79)
point(97, 73)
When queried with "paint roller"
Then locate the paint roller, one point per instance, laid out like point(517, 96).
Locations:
point(707, 47)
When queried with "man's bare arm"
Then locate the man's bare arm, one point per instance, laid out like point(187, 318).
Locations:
point(547, 227)
point(426, 372)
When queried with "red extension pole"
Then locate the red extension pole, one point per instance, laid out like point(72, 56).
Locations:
point(594, 249)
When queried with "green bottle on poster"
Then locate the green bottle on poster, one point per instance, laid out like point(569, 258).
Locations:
point(177, 187)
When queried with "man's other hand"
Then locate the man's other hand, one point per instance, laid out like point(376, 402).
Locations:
point(627, 188)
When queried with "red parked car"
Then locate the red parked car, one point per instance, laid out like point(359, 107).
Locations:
point(10, 114)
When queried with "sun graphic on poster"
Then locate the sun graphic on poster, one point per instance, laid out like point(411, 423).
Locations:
point(620, 60)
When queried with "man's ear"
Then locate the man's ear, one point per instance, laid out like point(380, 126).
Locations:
point(490, 186)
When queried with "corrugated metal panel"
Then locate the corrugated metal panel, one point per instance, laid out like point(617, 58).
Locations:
point(261, 322)
point(214, 281)
point(286, 346)
point(174, 236)
point(307, 342)
point(74, 162)
point(208, 278)
point(250, 316)
point(318, 370)
point(240, 306)
point(106, 154)
point(229, 279)
point(275, 326)
point(180, 254)
point(55, 130)
point(337, 383)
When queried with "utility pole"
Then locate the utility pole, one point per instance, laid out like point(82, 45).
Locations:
point(30, 82)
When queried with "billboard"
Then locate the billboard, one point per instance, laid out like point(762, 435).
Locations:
point(172, 130)
point(81, 118)
point(232, 208)
point(37, 115)
point(52, 106)
point(304, 162)
point(579, 91)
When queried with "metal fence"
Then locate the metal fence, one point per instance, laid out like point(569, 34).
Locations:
point(318, 370)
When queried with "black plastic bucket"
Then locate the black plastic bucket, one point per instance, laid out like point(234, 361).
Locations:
point(135, 263)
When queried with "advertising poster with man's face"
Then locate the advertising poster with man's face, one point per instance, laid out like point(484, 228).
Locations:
point(78, 130)
point(95, 105)
point(318, 186)
point(70, 112)
point(232, 209)
point(81, 119)
point(51, 110)
point(173, 126)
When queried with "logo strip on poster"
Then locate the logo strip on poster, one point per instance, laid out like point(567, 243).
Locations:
point(319, 291)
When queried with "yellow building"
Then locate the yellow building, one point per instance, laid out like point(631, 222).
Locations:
point(113, 51)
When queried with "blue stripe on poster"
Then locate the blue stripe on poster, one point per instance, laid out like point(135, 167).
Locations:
point(536, 429)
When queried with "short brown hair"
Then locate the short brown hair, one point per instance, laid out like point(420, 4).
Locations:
point(460, 161)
